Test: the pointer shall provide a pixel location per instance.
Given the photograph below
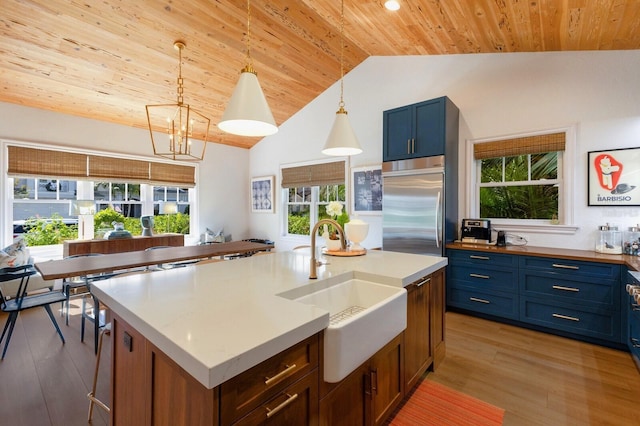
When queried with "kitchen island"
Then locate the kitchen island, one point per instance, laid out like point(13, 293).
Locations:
point(219, 320)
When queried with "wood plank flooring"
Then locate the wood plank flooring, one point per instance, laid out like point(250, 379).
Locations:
point(42, 381)
point(539, 379)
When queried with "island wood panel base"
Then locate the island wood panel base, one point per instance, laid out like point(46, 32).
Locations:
point(149, 388)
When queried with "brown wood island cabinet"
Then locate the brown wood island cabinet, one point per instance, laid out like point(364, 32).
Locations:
point(148, 388)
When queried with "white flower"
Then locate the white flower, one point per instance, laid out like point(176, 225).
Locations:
point(334, 208)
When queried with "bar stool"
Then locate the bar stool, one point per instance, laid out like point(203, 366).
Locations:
point(92, 395)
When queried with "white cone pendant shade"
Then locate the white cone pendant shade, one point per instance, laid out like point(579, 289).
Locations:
point(342, 140)
point(247, 112)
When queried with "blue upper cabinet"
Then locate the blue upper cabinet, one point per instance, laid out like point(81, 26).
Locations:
point(419, 130)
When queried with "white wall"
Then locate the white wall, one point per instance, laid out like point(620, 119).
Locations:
point(498, 94)
point(223, 176)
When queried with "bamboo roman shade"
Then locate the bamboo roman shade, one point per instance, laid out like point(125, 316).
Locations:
point(313, 175)
point(39, 162)
point(178, 175)
point(551, 142)
point(112, 168)
point(25, 161)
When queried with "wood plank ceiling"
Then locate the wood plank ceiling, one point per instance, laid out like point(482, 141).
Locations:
point(106, 59)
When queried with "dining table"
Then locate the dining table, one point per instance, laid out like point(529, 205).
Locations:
point(84, 265)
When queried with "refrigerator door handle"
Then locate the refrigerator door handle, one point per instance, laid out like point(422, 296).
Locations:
point(437, 228)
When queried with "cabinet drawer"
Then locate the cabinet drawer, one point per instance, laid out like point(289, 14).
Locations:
point(598, 323)
point(254, 387)
point(480, 257)
point(572, 267)
point(483, 277)
point(296, 405)
point(591, 291)
point(493, 303)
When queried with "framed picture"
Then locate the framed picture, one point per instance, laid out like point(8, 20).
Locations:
point(614, 177)
point(262, 194)
point(366, 190)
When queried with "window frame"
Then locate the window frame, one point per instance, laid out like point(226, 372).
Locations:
point(566, 171)
point(315, 197)
point(85, 187)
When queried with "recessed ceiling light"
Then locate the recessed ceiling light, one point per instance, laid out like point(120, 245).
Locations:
point(392, 4)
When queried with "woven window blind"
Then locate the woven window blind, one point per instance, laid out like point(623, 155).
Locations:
point(314, 175)
point(112, 168)
point(520, 146)
point(173, 174)
point(25, 161)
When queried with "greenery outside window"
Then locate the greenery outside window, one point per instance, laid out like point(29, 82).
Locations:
point(521, 182)
point(307, 205)
point(520, 187)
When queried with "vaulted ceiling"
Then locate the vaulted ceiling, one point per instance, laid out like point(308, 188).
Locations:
point(106, 59)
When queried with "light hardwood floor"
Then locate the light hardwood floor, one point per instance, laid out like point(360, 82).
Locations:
point(539, 379)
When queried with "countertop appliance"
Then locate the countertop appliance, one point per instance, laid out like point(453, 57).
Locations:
point(413, 206)
point(476, 231)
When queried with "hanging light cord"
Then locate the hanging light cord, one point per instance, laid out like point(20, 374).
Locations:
point(341, 104)
point(249, 66)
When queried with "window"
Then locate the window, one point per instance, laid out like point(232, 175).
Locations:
point(307, 189)
point(521, 180)
point(45, 181)
point(306, 205)
point(520, 187)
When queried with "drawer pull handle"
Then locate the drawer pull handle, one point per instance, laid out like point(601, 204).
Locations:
point(561, 287)
point(484, 277)
point(566, 317)
point(289, 400)
point(423, 282)
point(559, 265)
point(635, 342)
point(479, 257)
point(475, 299)
point(269, 380)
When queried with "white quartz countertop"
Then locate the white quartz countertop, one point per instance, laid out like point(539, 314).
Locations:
point(217, 320)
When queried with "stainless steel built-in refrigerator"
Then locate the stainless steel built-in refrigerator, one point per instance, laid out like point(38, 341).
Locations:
point(413, 212)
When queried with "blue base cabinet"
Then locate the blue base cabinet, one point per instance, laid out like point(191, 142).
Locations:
point(481, 282)
point(573, 296)
point(632, 308)
point(578, 299)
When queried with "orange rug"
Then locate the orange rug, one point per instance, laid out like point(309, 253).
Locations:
point(431, 403)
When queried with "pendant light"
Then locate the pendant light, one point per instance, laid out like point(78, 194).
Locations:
point(342, 140)
point(186, 129)
point(247, 113)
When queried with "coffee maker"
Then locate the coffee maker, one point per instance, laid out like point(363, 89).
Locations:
point(476, 231)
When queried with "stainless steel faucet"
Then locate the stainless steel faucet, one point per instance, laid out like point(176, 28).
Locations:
point(343, 243)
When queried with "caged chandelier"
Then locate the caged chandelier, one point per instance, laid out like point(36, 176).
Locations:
point(186, 129)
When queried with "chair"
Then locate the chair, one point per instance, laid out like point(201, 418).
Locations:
point(72, 285)
point(162, 266)
point(22, 301)
point(94, 314)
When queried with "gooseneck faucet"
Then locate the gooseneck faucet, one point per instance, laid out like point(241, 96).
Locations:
point(343, 243)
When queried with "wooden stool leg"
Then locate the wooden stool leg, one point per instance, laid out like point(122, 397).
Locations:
point(91, 395)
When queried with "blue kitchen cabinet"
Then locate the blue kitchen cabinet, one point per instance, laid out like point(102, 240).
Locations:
point(483, 282)
point(573, 298)
point(423, 129)
point(632, 308)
